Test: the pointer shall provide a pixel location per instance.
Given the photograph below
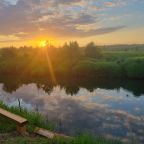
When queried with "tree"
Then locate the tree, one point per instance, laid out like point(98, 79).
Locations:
point(71, 50)
point(8, 52)
point(92, 51)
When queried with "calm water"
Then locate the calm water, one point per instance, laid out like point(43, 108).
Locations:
point(104, 108)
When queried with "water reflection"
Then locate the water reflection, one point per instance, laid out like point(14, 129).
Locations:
point(11, 84)
point(105, 108)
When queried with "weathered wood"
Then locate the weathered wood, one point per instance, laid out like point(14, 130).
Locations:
point(22, 129)
point(44, 133)
point(20, 121)
point(14, 117)
point(62, 135)
point(49, 134)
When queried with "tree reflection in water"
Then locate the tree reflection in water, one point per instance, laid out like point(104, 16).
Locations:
point(71, 86)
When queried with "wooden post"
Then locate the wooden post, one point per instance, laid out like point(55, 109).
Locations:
point(21, 129)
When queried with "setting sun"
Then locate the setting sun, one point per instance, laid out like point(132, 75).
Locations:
point(43, 43)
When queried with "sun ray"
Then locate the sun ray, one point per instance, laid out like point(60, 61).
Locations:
point(50, 68)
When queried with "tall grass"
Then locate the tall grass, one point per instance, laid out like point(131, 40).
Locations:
point(82, 139)
point(34, 119)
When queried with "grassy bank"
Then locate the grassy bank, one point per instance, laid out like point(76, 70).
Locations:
point(84, 139)
point(35, 120)
point(8, 136)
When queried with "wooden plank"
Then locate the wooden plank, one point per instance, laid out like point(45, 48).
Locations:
point(49, 134)
point(44, 133)
point(62, 135)
point(14, 117)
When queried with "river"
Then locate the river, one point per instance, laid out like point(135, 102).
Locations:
point(114, 109)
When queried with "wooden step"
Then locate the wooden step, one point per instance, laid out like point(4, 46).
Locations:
point(44, 133)
point(49, 134)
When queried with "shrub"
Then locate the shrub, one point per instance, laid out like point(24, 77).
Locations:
point(134, 67)
point(98, 69)
point(92, 51)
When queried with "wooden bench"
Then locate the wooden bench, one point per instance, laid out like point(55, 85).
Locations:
point(20, 121)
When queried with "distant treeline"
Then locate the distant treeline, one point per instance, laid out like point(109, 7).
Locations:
point(134, 47)
point(71, 60)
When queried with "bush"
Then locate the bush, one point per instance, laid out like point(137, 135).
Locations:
point(98, 69)
point(92, 51)
point(134, 67)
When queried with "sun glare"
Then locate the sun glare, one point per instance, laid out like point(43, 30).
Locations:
point(43, 43)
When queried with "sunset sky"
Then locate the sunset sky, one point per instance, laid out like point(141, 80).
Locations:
point(27, 22)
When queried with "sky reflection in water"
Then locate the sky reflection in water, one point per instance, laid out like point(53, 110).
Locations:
point(111, 113)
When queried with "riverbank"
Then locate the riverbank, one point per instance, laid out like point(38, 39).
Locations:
point(9, 136)
point(12, 138)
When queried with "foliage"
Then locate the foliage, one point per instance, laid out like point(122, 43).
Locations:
point(92, 51)
point(98, 69)
point(134, 67)
point(70, 60)
point(120, 55)
point(8, 52)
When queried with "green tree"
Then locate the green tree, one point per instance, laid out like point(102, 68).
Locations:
point(8, 52)
point(71, 50)
point(92, 51)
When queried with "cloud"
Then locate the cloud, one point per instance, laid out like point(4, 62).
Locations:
point(115, 3)
point(65, 2)
point(72, 32)
point(5, 38)
point(12, 2)
point(55, 17)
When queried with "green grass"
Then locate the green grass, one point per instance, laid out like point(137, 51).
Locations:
point(83, 139)
point(35, 120)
